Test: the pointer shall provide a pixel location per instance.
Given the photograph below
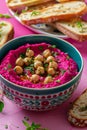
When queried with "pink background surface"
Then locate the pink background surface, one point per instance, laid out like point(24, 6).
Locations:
point(55, 119)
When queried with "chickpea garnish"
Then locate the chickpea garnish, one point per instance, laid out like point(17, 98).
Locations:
point(37, 64)
point(40, 70)
point(53, 64)
point(19, 61)
point(39, 58)
point(46, 53)
point(51, 71)
point(48, 79)
point(34, 78)
point(29, 53)
point(27, 61)
point(50, 59)
point(18, 69)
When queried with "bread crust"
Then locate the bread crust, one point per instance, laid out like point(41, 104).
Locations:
point(72, 117)
point(9, 34)
point(52, 18)
point(22, 4)
point(69, 32)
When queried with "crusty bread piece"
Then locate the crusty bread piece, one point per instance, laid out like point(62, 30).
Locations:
point(75, 29)
point(63, 0)
point(6, 32)
point(15, 4)
point(60, 11)
point(77, 115)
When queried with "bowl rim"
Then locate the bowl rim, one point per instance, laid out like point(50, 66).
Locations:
point(56, 87)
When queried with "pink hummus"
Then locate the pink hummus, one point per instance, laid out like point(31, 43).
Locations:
point(67, 67)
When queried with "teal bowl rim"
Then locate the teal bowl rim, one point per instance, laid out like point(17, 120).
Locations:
point(56, 87)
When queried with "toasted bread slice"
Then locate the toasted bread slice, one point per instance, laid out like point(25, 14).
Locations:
point(77, 115)
point(75, 29)
point(6, 32)
point(54, 13)
point(15, 4)
point(63, 0)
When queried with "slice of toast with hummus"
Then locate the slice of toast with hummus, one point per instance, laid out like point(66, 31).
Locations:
point(6, 32)
point(56, 12)
point(77, 115)
point(75, 29)
point(15, 4)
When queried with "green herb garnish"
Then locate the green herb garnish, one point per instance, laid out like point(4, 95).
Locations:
point(27, 49)
point(62, 71)
point(79, 25)
point(53, 46)
point(58, 81)
point(68, 57)
point(5, 16)
point(22, 55)
point(1, 106)
point(31, 69)
point(33, 126)
point(46, 65)
point(34, 13)
point(83, 108)
point(9, 66)
point(40, 48)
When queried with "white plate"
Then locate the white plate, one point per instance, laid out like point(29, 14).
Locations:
point(41, 28)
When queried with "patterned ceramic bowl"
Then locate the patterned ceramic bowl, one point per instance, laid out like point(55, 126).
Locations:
point(47, 98)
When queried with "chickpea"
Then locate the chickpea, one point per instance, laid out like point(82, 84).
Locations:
point(46, 53)
point(40, 70)
point(27, 61)
point(53, 64)
point(48, 79)
point(34, 78)
point(29, 53)
point(37, 64)
point(18, 69)
point(50, 59)
point(51, 71)
point(19, 61)
point(39, 58)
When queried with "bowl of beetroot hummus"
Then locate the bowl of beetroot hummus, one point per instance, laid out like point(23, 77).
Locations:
point(39, 72)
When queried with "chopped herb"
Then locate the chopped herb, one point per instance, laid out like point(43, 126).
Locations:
point(49, 75)
point(23, 11)
point(5, 16)
point(80, 25)
point(53, 46)
point(30, 68)
point(83, 108)
point(46, 65)
point(9, 66)
point(16, 13)
point(54, 53)
point(1, 106)
point(40, 48)
point(63, 71)
point(27, 49)
point(33, 126)
point(34, 13)
point(22, 55)
point(68, 57)
point(51, 60)
point(2, 24)
point(58, 81)
point(1, 16)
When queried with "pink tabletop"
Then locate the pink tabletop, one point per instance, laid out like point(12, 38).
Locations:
point(54, 119)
